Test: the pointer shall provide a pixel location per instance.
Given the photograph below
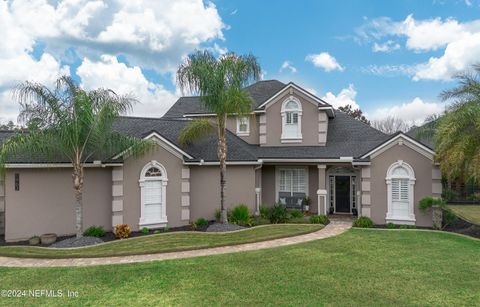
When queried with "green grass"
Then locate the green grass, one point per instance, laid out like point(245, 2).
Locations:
point(358, 268)
point(470, 213)
point(162, 243)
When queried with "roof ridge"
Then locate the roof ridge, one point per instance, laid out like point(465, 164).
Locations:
point(155, 118)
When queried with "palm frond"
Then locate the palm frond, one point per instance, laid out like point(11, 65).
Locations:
point(195, 130)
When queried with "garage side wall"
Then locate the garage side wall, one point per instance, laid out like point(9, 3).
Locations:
point(45, 201)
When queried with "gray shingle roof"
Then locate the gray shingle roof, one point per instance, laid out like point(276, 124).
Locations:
point(259, 91)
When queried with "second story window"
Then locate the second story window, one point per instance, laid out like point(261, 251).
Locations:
point(291, 120)
point(243, 125)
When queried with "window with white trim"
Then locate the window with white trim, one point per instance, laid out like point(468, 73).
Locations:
point(291, 119)
point(400, 188)
point(243, 125)
point(153, 184)
point(293, 181)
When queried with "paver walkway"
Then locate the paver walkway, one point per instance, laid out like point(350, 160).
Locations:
point(337, 226)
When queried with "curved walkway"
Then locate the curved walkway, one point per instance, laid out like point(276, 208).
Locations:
point(336, 227)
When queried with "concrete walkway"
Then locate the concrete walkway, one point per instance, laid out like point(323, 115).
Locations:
point(337, 226)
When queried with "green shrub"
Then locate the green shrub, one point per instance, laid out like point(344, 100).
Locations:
point(363, 222)
point(412, 227)
point(278, 214)
point(448, 216)
point(201, 222)
point(145, 230)
point(319, 219)
point(218, 215)
point(94, 231)
point(264, 211)
point(156, 231)
point(427, 202)
point(193, 226)
point(296, 213)
point(403, 226)
point(391, 226)
point(258, 220)
point(240, 215)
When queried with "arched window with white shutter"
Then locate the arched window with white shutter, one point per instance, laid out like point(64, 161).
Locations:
point(153, 193)
point(401, 190)
point(291, 120)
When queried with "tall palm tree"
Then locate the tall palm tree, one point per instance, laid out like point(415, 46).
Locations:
point(220, 84)
point(457, 132)
point(70, 124)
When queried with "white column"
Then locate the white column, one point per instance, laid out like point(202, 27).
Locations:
point(257, 203)
point(322, 196)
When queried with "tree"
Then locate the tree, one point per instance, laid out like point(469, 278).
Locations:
point(357, 113)
point(220, 84)
point(391, 124)
point(10, 126)
point(457, 132)
point(70, 124)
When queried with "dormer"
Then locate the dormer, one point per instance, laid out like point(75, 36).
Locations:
point(293, 116)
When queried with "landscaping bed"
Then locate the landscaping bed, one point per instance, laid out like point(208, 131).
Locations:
point(166, 242)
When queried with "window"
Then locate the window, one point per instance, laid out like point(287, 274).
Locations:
point(292, 186)
point(292, 181)
point(400, 188)
point(291, 120)
point(243, 125)
point(153, 184)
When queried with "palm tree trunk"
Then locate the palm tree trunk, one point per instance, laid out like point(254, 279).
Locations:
point(222, 157)
point(78, 188)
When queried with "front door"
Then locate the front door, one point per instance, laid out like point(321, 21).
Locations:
point(342, 194)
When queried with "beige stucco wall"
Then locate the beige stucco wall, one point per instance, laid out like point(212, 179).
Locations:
point(310, 122)
point(131, 190)
point(45, 202)
point(205, 189)
point(252, 138)
point(422, 167)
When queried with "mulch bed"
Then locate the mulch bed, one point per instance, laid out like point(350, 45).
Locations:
point(110, 236)
point(463, 227)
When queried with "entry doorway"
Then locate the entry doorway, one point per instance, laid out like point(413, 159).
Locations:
point(342, 194)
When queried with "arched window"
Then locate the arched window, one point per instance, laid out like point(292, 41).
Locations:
point(401, 187)
point(153, 186)
point(291, 120)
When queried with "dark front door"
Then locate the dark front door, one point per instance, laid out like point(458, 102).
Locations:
point(342, 194)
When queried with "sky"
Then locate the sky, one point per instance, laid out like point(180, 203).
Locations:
point(389, 58)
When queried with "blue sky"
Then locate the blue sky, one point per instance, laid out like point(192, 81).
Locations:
point(387, 57)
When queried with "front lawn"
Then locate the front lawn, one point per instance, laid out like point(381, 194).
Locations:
point(362, 267)
point(161, 243)
point(470, 213)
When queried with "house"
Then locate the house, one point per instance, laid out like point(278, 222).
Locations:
point(293, 145)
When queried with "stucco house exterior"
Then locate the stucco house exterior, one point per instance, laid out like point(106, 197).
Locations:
point(294, 145)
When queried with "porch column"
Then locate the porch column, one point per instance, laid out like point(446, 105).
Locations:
point(258, 189)
point(322, 190)
point(185, 190)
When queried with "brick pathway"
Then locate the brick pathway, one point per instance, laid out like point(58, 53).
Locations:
point(337, 226)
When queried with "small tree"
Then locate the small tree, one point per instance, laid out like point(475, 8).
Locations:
point(220, 84)
point(391, 124)
point(70, 124)
point(355, 113)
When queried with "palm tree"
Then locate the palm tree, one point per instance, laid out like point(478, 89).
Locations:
point(457, 132)
point(220, 84)
point(70, 124)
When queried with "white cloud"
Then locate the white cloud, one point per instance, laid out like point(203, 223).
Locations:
point(154, 98)
point(388, 46)
point(414, 112)
point(288, 65)
point(150, 34)
point(324, 60)
point(460, 42)
point(344, 97)
point(390, 70)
